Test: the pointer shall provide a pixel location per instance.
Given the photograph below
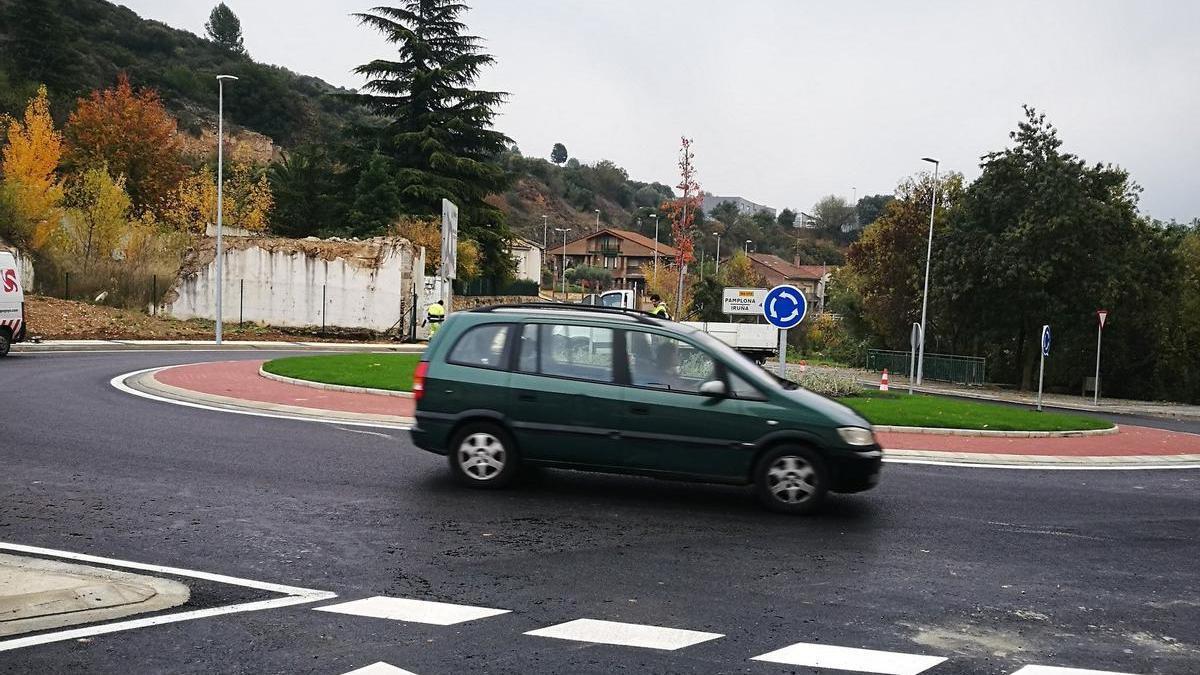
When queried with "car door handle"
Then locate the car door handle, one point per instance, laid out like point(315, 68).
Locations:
point(526, 397)
point(640, 410)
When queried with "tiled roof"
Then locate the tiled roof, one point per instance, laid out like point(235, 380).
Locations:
point(786, 269)
point(664, 250)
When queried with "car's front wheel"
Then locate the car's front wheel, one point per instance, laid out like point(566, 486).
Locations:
point(791, 479)
point(5, 344)
point(482, 455)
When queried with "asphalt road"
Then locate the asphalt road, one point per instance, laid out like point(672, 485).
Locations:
point(992, 568)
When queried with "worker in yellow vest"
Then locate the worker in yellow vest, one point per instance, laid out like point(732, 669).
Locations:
point(660, 307)
point(435, 315)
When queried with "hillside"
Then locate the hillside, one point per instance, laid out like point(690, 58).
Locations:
point(75, 46)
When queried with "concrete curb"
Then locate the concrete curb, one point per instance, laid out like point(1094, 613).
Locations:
point(332, 387)
point(52, 594)
point(200, 345)
point(937, 431)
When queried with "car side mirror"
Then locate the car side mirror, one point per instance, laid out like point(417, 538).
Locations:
point(714, 388)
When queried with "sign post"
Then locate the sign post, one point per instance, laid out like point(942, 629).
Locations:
point(449, 267)
point(914, 340)
point(1042, 365)
point(1103, 315)
point(784, 307)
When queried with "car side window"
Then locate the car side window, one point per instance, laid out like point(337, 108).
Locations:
point(579, 352)
point(662, 362)
point(527, 355)
point(481, 346)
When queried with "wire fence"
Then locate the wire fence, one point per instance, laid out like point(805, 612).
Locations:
point(971, 370)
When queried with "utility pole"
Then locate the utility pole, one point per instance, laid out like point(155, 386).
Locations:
point(928, 259)
point(655, 217)
point(717, 268)
point(564, 231)
point(220, 197)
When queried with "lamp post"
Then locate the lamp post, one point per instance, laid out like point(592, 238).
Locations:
point(220, 196)
point(655, 217)
point(564, 231)
point(597, 218)
point(717, 268)
point(928, 258)
point(545, 225)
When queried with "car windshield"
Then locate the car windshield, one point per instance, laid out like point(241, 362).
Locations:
point(728, 354)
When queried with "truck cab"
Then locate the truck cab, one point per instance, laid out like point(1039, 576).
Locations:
point(12, 303)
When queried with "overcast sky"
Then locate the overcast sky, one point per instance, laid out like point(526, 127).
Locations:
point(791, 100)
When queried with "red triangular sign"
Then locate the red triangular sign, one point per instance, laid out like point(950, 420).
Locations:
point(1103, 314)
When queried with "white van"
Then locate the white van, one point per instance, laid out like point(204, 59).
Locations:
point(12, 303)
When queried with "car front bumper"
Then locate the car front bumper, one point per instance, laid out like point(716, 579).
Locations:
point(855, 470)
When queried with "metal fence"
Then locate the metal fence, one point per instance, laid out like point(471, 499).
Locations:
point(944, 367)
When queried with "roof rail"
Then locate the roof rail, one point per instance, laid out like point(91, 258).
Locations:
point(634, 313)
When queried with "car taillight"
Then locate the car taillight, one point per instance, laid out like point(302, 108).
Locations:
point(418, 389)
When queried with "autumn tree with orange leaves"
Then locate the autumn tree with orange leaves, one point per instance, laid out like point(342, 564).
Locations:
point(31, 192)
point(134, 136)
point(682, 214)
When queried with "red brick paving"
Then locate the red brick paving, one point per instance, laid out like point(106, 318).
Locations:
point(1129, 440)
point(240, 379)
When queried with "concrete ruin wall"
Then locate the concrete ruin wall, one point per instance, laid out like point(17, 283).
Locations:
point(301, 282)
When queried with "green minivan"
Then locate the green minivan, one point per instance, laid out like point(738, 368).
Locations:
point(617, 390)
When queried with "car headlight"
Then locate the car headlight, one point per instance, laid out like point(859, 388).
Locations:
point(856, 436)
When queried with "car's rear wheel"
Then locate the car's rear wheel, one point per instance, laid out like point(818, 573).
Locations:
point(791, 479)
point(482, 455)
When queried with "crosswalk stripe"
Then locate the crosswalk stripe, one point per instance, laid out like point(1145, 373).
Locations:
point(626, 634)
point(850, 658)
point(414, 611)
point(1059, 670)
point(380, 668)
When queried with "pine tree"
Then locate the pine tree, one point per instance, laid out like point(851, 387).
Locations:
point(225, 29)
point(558, 154)
point(439, 132)
point(377, 198)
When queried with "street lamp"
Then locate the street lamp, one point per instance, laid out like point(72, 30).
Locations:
point(545, 224)
point(220, 194)
point(597, 218)
point(655, 217)
point(928, 258)
point(717, 269)
point(564, 231)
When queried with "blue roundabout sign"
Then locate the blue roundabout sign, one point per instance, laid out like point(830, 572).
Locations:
point(784, 306)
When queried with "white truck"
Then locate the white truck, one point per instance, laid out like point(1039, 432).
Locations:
point(758, 341)
point(12, 303)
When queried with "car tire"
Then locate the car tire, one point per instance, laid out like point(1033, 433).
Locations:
point(5, 344)
point(791, 479)
point(483, 455)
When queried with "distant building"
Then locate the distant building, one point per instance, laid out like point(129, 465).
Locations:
point(744, 206)
point(528, 256)
point(628, 255)
point(810, 279)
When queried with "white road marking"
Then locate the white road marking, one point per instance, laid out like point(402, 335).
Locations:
point(293, 595)
point(627, 634)
point(413, 611)
point(849, 658)
point(1040, 467)
point(380, 668)
point(118, 383)
point(1056, 670)
point(368, 433)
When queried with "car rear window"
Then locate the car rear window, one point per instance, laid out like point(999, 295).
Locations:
point(481, 346)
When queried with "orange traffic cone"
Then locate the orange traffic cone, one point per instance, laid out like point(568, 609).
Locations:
point(883, 383)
